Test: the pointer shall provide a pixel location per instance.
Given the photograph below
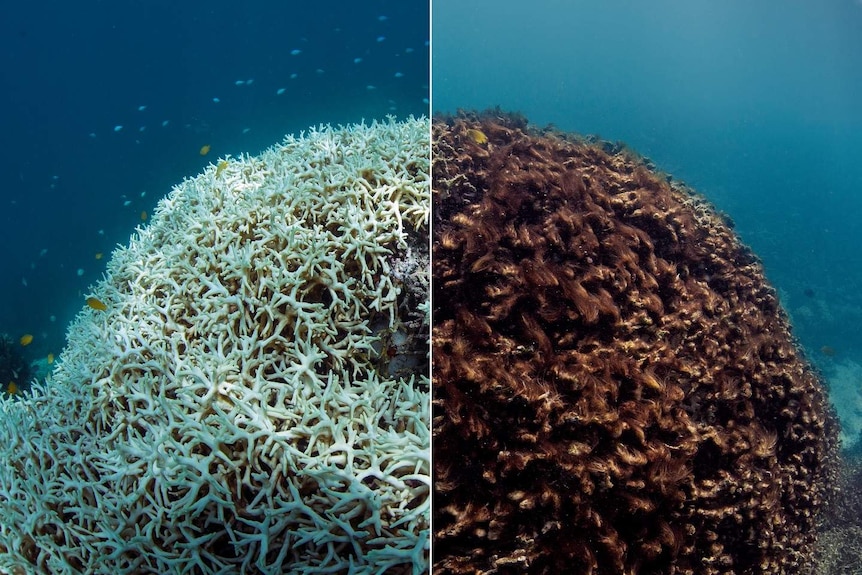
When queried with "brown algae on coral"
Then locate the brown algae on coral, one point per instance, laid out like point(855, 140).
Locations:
point(615, 386)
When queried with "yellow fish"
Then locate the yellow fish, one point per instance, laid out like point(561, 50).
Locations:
point(205, 149)
point(96, 303)
point(478, 136)
point(98, 255)
point(26, 339)
point(12, 388)
point(144, 215)
point(50, 358)
point(221, 167)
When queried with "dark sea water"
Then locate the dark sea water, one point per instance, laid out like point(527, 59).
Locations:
point(758, 105)
point(104, 105)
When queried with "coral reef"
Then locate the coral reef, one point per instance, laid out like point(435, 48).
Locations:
point(233, 403)
point(616, 389)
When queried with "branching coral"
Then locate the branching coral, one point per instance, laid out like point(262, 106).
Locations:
point(232, 411)
point(616, 389)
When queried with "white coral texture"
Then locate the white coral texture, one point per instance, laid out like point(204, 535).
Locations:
point(231, 411)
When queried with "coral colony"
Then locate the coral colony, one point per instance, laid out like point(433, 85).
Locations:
point(615, 386)
point(247, 389)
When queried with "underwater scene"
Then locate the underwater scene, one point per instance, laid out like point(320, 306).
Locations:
point(609, 249)
point(105, 108)
point(646, 279)
point(214, 341)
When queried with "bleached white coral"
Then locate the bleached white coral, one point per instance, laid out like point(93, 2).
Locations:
point(233, 409)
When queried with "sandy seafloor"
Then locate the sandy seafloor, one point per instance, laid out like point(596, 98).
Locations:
point(754, 104)
point(105, 106)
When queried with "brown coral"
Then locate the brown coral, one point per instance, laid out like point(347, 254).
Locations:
point(616, 387)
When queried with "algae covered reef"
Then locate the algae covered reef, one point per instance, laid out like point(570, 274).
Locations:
point(616, 388)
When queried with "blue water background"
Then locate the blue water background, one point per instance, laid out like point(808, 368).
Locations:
point(72, 72)
point(758, 105)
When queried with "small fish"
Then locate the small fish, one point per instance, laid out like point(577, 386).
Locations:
point(50, 358)
point(26, 339)
point(222, 165)
point(12, 388)
point(99, 255)
point(96, 303)
point(478, 136)
point(143, 215)
point(205, 149)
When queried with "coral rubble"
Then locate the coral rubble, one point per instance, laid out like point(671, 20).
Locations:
point(251, 394)
point(616, 389)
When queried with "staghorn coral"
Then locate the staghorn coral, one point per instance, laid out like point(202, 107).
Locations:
point(232, 409)
point(616, 389)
